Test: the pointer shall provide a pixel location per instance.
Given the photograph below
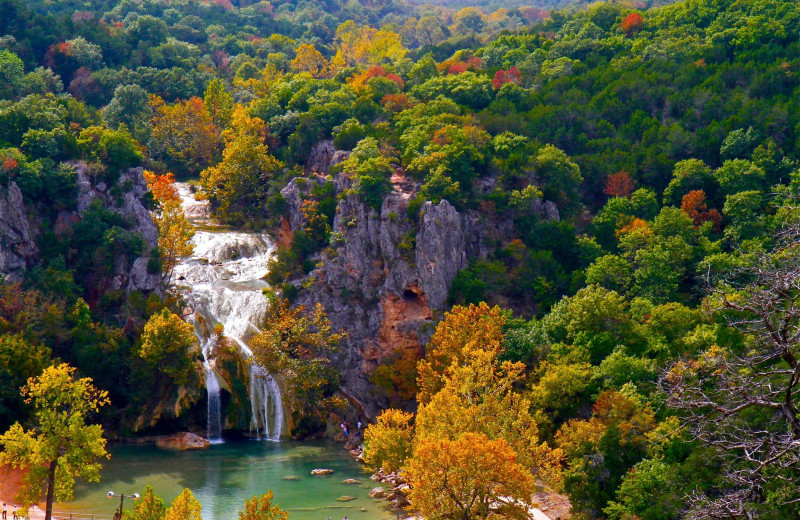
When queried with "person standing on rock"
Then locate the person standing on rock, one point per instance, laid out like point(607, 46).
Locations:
point(5, 509)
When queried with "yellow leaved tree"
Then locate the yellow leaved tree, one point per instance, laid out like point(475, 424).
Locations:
point(61, 447)
point(174, 231)
point(184, 507)
point(308, 59)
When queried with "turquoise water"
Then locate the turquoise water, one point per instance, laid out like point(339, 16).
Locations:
point(225, 475)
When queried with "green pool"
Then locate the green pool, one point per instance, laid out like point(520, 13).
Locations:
point(225, 475)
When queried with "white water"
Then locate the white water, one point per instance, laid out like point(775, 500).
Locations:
point(223, 283)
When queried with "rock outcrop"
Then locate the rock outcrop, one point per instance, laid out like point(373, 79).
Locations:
point(126, 200)
point(18, 231)
point(18, 248)
point(386, 279)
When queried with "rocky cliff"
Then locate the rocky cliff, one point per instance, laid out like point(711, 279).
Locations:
point(20, 225)
point(18, 249)
point(386, 279)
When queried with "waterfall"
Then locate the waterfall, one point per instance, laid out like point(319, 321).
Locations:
point(223, 282)
point(267, 419)
point(214, 427)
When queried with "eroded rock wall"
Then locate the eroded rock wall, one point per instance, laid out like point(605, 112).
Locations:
point(386, 280)
point(19, 227)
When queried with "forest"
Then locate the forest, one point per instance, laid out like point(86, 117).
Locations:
point(626, 334)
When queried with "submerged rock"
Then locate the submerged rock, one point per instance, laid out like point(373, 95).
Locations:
point(351, 481)
point(321, 471)
point(346, 498)
point(183, 441)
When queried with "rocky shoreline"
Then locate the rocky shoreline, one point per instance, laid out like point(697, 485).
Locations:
point(393, 488)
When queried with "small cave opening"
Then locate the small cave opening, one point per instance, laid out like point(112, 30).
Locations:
point(410, 296)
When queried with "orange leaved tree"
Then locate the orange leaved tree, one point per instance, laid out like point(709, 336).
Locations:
point(467, 478)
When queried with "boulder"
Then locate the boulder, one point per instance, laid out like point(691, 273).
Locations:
point(377, 492)
point(321, 471)
point(350, 481)
point(183, 441)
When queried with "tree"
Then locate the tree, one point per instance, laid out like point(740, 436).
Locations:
point(463, 330)
point(296, 343)
point(308, 59)
point(184, 507)
point(165, 344)
point(632, 24)
point(12, 72)
point(174, 231)
point(237, 186)
point(600, 450)
point(469, 20)
point(429, 30)
point(387, 443)
point(151, 507)
point(129, 106)
point(619, 185)
point(694, 205)
point(471, 477)
point(62, 447)
point(218, 103)
point(19, 361)
point(560, 177)
point(184, 134)
point(261, 508)
point(742, 399)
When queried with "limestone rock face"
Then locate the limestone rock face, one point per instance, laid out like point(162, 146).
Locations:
point(385, 279)
point(17, 245)
point(126, 201)
point(183, 441)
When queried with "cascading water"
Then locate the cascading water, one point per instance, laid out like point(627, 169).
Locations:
point(224, 285)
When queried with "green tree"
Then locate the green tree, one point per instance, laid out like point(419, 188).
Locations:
point(19, 361)
point(559, 176)
point(219, 103)
point(129, 106)
point(62, 447)
point(11, 74)
point(165, 345)
point(297, 344)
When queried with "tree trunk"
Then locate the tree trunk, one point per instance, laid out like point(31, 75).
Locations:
point(51, 485)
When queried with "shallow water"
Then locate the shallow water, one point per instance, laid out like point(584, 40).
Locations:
point(225, 475)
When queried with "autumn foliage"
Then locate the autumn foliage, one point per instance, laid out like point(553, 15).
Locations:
point(501, 77)
point(466, 478)
point(632, 23)
point(619, 184)
point(694, 205)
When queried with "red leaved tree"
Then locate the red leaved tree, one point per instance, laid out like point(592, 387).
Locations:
point(619, 184)
point(632, 24)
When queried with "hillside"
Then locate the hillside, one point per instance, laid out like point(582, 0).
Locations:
point(565, 238)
